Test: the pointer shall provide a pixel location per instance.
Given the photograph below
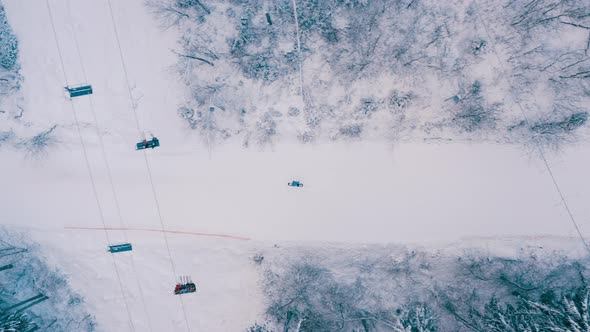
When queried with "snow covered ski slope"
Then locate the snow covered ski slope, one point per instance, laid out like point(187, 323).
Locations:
point(354, 193)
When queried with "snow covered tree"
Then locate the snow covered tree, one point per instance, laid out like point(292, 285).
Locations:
point(15, 322)
point(566, 314)
point(38, 144)
point(259, 328)
point(8, 44)
point(556, 70)
point(528, 294)
point(308, 297)
point(472, 113)
point(552, 130)
point(417, 318)
point(57, 306)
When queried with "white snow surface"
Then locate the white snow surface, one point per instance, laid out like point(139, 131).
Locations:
point(362, 192)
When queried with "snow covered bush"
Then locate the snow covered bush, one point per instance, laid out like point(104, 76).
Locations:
point(400, 101)
point(11, 111)
point(9, 68)
point(293, 111)
point(516, 293)
point(306, 137)
point(306, 296)
point(258, 258)
point(188, 114)
point(39, 143)
point(259, 328)
point(398, 289)
point(172, 12)
point(417, 318)
point(544, 66)
point(557, 131)
point(314, 301)
point(58, 308)
point(472, 113)
point(552, 131)
point(368, 106)
point(15, 322)
point(566, 312)
point(266, 128)
point(6, 136)
point(352, 130)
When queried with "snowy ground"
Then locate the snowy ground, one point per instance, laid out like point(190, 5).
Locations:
point(409, 193)
point(355, 193)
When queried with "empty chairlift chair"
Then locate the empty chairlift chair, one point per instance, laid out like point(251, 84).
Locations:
point(79, 90)
point(120, 248)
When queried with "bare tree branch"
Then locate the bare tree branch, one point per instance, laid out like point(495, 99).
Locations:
point(193, 57)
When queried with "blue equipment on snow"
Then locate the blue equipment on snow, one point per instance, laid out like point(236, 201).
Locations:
point(295, 184)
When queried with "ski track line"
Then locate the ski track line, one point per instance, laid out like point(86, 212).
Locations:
point(234, 237)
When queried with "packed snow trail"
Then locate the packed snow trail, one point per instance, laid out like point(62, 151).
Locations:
point(413, 193)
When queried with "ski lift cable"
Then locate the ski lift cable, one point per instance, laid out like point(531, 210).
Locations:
point(133, 107)
point(109, 172)
point(298, 49)
point(94, 190)
point(539, 148)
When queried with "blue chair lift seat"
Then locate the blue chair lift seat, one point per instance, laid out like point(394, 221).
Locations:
point(79, 90)
point(120, 247)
